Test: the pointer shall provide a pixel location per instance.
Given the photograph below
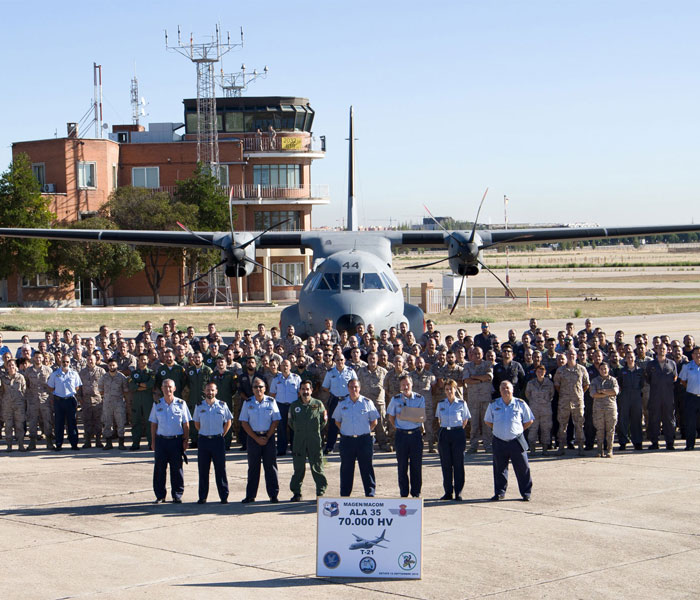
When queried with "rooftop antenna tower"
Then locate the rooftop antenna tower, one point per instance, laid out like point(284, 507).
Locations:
point(234, 84)
point(138, 105)
point(97, 102)
point(204, 56)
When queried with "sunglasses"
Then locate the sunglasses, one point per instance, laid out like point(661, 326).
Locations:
point(258, 387)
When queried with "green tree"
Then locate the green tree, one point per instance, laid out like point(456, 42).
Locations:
point(203, 192)
point(143, 209)
point(22, 205)
point(97, 262)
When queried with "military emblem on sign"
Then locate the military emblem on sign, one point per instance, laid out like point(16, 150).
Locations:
point(331, 509)
point(402, 511)
point(407, 560)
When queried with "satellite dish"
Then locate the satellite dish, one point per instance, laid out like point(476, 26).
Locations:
point(105, 125)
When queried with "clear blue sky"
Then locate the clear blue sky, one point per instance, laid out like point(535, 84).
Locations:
point(578, 111)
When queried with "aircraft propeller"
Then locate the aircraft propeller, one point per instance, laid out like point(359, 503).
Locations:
point(467, 251)
point(235, 255)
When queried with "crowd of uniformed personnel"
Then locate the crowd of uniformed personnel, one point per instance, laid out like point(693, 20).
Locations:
point(582, 388)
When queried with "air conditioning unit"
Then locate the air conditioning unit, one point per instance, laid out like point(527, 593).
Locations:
point(49, 188)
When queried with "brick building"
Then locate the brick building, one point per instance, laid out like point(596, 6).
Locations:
point(266, 149)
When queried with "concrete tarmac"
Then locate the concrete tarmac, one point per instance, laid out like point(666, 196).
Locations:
point(83, 525)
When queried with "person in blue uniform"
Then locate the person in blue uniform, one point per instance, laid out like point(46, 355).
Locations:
point(356, 417)
point(509, 417)
point(212, 418)
point(170, 428)
point(335, 383)
point(690, 379)
point(259, 419)
point(453, 415)
point(409, 439)
point(64, 384)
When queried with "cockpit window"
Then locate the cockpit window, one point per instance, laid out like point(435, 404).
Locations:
point(351, 281)
point(389, 283)
point(329, 281)
point(372, 281)
point(311, 282)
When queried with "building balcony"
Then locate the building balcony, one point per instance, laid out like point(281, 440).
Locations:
point(250, 193)
point(284, 146)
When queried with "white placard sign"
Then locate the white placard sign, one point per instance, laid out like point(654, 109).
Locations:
point(369, 537)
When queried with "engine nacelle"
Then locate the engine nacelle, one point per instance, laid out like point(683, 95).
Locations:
point(240, 255)
point(464, 254)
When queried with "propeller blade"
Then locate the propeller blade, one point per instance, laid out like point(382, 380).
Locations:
point(471, 237)
point(199, 237)
point(216, 266)
point(230, 210)
point(459, 293)
point(264, 232)
point(510, 291)
point(239, 296)
point(440, 225)
point(430, 264)
point(262, 266)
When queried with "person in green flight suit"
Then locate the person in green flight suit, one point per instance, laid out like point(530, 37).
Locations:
point(307, 417)
point(141, 383)
point(170, 370)
point(198, 375)
point(226, 387)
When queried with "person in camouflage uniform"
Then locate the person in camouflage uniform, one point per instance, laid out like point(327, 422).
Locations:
point(604, 390)
point(113, 388)
point(392, 387)
point(91, 402)
point(38, 401)
point(13, 386)
point(571, 381)
point(477, 377)
point(539, 393)
point(423, 384)
point(372, 385)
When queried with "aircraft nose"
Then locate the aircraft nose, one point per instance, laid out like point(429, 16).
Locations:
point(349, 323)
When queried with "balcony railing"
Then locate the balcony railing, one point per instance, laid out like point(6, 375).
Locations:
point(255, 191)
point(283, 143)
point(250, 190)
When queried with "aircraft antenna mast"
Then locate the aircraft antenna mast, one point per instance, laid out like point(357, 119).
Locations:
point(205, 55)
point(352, 210)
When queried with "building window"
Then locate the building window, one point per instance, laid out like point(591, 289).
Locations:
point(114, 177)
point(145, 177)
point(39, 170)
point(223, 175)
point(292, 271)
point(41, 280)
point(278, 176)
point(87, 175)
point(265, 219)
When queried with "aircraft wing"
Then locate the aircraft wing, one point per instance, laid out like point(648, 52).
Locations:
point(555, 234)
point(153, 238)
point(358, 538)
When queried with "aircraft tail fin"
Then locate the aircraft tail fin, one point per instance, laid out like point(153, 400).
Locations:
point(352, 210)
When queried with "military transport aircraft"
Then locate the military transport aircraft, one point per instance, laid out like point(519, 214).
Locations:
point(351, 280)
point(361, 543)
